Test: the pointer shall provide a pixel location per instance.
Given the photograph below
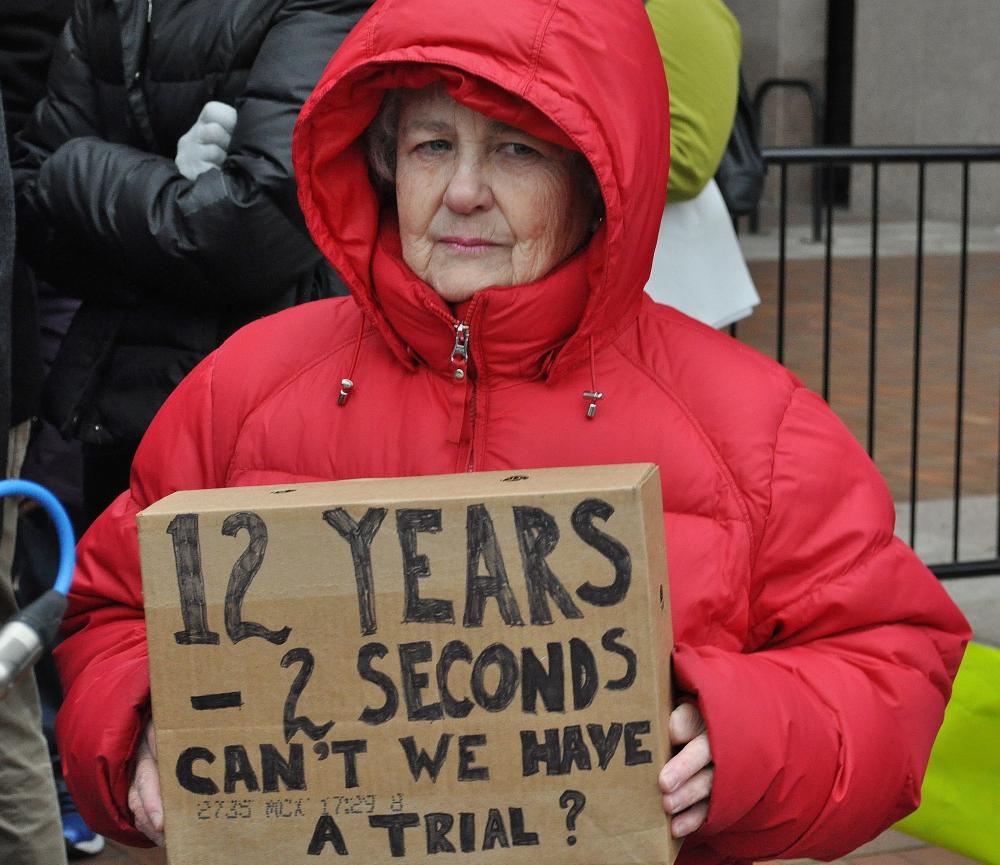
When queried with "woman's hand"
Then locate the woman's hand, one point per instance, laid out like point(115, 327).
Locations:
point(686, 778)
point(144, 794)
point(205, 145)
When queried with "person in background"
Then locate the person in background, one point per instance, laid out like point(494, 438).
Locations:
point(700, 44)
point(698, 266)
point(476, 174)
point(28, 32)
point(30, 829)
point(172, 218)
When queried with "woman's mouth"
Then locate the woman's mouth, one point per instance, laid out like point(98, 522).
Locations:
point(468, 245)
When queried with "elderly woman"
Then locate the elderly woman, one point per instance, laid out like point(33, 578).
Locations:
point(488, 179)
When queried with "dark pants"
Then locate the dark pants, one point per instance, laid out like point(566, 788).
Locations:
point(30, 828)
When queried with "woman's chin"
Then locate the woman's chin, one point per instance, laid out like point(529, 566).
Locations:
point(457, 287)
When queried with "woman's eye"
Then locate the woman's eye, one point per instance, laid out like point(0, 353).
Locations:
point(516, 148)
point(436, 145)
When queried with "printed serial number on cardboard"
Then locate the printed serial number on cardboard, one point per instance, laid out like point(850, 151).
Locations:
point(243, 809)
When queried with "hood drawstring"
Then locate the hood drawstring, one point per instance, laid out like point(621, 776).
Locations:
point(347, 383)
point(592, 395)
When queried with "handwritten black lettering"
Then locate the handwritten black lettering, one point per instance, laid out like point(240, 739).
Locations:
point(410, 521)
point(537, 537)
point(275, 768)
point(396, 824)
point(534, 752)
point(437, 825)
point(503, 658)
point(223, 700)
point(610, 641)
point(583, 672)
point(518, 834)
point(466, 757)
point(467, 831)
point(455, 650)
point(359, 536)
point(575, 753)
point(495, 831)
point(326, 832)
point(292, 722)
point(350, 748)
point(239, 770)
point(186, 777)
point(482, 544)
point(611, 548)
point(605, 743)
point(536, 680)
point(419, 760)
point(377, 677)
point(411, 654)
point(183, 530)
point(635, 754)
point(241, 577)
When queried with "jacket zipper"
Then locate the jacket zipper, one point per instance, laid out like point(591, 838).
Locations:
point(460, 361)
point(460, 351)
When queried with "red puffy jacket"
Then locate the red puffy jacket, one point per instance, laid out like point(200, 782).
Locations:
point(820, 650)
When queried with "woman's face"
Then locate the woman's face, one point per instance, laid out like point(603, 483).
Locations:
point(481, 203)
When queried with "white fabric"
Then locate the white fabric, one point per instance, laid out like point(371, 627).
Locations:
point(698, 266)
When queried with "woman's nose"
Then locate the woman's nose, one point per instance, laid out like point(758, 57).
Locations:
point(469, 189)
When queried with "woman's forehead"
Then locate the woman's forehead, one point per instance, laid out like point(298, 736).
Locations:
point(431, 109)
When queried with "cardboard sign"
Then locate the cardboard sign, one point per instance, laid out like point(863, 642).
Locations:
point(454, 669)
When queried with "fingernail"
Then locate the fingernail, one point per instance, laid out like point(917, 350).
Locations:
point(156, 818)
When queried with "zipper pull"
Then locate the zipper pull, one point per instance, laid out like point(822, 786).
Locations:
point(460, 351)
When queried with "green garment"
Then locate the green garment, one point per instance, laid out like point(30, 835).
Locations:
point(700, 44)
point(960, 800)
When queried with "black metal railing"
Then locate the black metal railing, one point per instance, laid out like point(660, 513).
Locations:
point(824, 159)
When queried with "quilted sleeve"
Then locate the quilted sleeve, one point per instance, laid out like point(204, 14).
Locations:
point(822, 727)
point(232, 235)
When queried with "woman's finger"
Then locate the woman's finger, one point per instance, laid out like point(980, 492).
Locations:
point(150, 737)
point(697, 788)
point(691, 759)
point(144, 797)
point(689, 821)
point(685, 723)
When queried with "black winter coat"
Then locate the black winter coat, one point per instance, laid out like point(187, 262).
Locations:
point(167, 267)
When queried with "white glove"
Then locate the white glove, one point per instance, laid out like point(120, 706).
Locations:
point(204, 145)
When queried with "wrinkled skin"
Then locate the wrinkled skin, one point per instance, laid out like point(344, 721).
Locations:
point(480, 203)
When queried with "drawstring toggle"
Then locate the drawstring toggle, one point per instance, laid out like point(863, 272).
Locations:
point(593, 396)
point(345, 390)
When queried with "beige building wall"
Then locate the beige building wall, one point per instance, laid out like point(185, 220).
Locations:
point(929, 73)
point(925, 72)
point(784, 39)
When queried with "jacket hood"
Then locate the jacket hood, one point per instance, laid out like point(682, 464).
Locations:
point(587, 74)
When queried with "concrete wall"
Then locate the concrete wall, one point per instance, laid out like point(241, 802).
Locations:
point(926, 72)
point(784, 39)
point(929, 73)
